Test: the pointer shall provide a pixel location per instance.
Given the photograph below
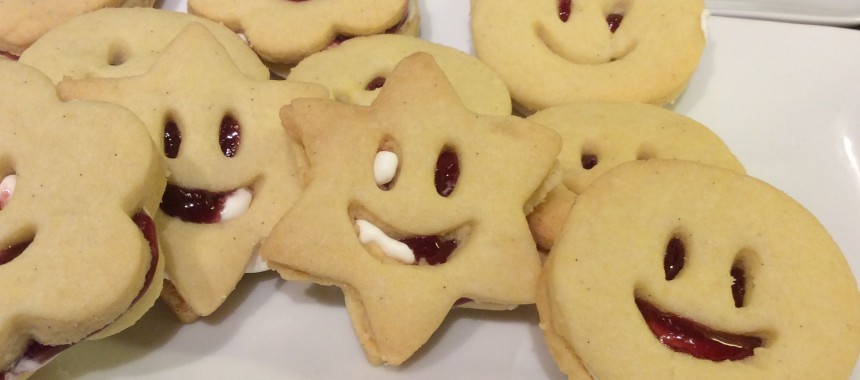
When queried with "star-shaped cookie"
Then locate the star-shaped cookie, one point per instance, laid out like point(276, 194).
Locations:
point(225, 148)
point(456, 196)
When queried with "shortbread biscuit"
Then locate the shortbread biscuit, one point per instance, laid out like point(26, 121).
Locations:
point(597, 136)
point(675, 269)
point(24, 21)
point(285, 31)
point(79, 256)
point(551, 52)
point(356, 70)
point(119, 42)
point(412, 205)
point(233, 171)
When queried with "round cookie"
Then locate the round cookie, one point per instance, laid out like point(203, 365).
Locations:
point(23, 22)
point(79, 255)
point(597, 136)
point(233, 168)
point(557, 51)
point(118, 42)
point(356, 70)
point(286, 31)
point(695, 254)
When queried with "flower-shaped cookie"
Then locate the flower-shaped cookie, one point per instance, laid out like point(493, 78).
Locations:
point(413, 204)
point(551, 52)
point(23, 22)
point(232, 167)
point(78, 251)
point(285, 31)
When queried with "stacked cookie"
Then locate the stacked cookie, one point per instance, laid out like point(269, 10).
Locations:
point(393, 168)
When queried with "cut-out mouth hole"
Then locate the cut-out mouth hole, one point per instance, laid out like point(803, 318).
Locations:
point(13, 251)
point(416, 250)
point(686, 336)
point(204, 206)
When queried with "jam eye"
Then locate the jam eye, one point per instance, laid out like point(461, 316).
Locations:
point(739, 284)
point(7, 189)
point(674, 259)
point(229, 136)
point(588, 161)
point(375, 83)
point(613, 20)
point(564, 7)
point(447, 172)
point(172, 139)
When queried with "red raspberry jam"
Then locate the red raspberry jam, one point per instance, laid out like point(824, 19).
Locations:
point(172, 139)
point(673, 261)
point(430, 250)
point(447, 172)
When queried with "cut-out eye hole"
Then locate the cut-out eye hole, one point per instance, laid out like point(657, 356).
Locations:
point(229, 136)
point(674, 259)
point(588, 160)
point(7, 189)
point(739, 284)
point(11, 252)
point(172, 139)
point(614, 21)
point(118, 55)
point(564, 7)
point(377, 82)
point(447, 172)
point(385, 166)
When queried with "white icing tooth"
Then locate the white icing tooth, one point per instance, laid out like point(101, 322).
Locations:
point(236, 204)
point(368, 233)
point(385, 167)
point(7, 188)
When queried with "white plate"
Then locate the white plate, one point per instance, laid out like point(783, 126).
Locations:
point(825, 12)
point(786, 99)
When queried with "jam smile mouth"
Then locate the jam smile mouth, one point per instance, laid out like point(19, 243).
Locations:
point(687, 336)
point(204, 206)
point(415, 250)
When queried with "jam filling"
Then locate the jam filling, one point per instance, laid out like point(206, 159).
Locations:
point(229, 136)
point(614, 21)
point(564, 7)
point(9, 55)
point(673, 261)
point(377, 82)
point(588, 161)
point(193, 205)
point(430, 250)
point(12, 252)
point(172, 139)
point(739, 285)
point(37, 354)
point(686, 336)
point(447, 172)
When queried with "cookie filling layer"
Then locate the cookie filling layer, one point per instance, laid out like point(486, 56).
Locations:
point(7, 188)
point(9, 55)
point(37, 355)
point(426, 249)
point(203, 206)
point(686, 336)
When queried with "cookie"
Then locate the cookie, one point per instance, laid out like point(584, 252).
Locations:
point(403, 209)
point(119, 42)
point(356, 70)
point(233, 170)
point(553, 52)
point(23, 22)
point(79, 255)
point(675, 269)
point(287, 31)
point(597, 136)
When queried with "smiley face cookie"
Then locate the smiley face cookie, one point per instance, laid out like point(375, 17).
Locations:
point(23, 22)
point(558, 51)
point(285, 31)
point(79, 255)
point(715, 275)
point(598, 136)
point(403, 209)
point(232, 167)
point(120, 42)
